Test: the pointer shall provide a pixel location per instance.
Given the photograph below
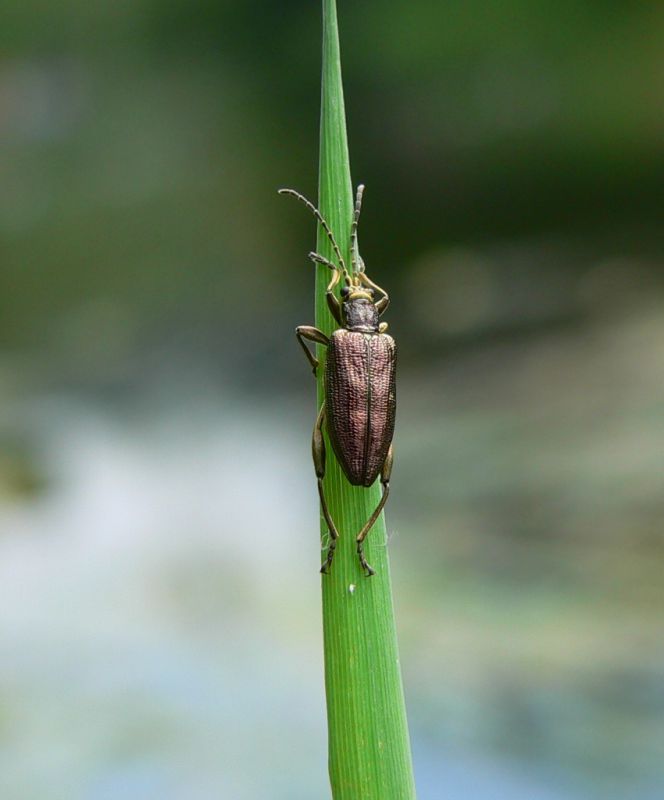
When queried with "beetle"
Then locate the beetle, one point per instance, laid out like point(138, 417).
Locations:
point(360, 392)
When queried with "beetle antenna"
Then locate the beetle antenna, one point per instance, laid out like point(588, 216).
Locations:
point(357, 265)
point(322, 221)
point(317, 258)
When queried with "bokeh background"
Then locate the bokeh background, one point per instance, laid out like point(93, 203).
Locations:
point(159, 595)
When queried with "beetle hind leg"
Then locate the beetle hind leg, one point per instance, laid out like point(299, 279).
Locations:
point(318, 452)
point(361, 536)
point(334, 535)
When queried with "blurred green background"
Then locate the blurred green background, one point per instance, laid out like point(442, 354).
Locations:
point(159, 599)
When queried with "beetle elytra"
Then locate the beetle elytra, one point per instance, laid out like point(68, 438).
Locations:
point(360, 395)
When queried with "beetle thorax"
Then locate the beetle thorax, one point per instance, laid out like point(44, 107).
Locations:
point(361, 315)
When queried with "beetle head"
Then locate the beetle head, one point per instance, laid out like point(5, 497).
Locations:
point(356, 291)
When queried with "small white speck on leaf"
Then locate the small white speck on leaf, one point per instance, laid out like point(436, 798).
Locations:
point(351, 588)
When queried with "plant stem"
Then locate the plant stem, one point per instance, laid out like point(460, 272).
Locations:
point(369, 748)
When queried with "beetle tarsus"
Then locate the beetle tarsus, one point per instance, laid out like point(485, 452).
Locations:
point(318, 453)
point(386, 474)
point(334, 534)
point(368, 569)
point(325, 569)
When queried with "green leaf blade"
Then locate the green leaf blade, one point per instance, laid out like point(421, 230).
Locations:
point(369, 747)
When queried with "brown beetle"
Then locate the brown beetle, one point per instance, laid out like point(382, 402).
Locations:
point(360, 393)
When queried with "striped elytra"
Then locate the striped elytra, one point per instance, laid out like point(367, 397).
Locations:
point(360, 398)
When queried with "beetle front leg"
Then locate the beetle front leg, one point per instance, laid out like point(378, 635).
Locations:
point(361, 536)
point(313, 335)
point(318, 452)
point(383, 303)
point(332, 301)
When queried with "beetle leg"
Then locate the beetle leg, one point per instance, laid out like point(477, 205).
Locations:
point(330, 296)
point(313, 335)
point(318, 452)
point(383, 303)
point(334, 306)
point(385, 480)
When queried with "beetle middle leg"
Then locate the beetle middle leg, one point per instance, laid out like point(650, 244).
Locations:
point(318, 452)
point(361, 536)
point(313, 335)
